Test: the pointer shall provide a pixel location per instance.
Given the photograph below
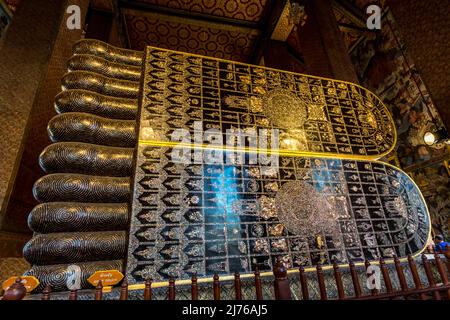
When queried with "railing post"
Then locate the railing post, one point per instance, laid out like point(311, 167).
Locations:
point(338, 278)
point(415, 275)
point(148, 289)
point(99, 291)
point(320, 278)
point(73, 295)
point(171, 293)
point(216, 287)
point(401, 276)
point(237, 286)
point(16, 291)
point(304, 283)
point(194, 288)
point(46, 293)
point(429, 273)
point(387, 279)
point(258, 287)
point(442, 272)
point(124, 290)
point(355, 279)
point(281, 282)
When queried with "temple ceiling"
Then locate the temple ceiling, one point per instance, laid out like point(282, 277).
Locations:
point(248, 10)
point(227, 29)
point(190, 35)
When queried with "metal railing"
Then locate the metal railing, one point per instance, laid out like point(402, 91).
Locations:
point(436, 286)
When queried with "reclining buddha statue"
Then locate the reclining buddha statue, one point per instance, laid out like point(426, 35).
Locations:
point(118, 196)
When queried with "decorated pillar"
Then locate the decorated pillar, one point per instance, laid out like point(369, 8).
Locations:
point(322, 44)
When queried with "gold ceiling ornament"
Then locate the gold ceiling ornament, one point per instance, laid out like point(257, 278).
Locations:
point(297, 13)
point(293, 14)
point(284, 25)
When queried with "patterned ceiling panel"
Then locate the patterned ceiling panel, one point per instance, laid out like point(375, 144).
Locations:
point(210, 39)
point(250, 10)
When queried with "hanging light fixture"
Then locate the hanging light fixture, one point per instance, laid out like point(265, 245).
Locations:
point(438, 136)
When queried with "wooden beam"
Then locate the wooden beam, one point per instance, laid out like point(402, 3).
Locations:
point(323, 47)
point(273, 14)
point(99, 24)
point(119, 24)
point(295, 55)
point(352, 28)
point(279, 55)
point(102, 5)
point(428, 163)
point(351, 12)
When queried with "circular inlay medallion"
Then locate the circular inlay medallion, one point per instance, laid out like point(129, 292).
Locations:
point(285, 109)
point(303, 210)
